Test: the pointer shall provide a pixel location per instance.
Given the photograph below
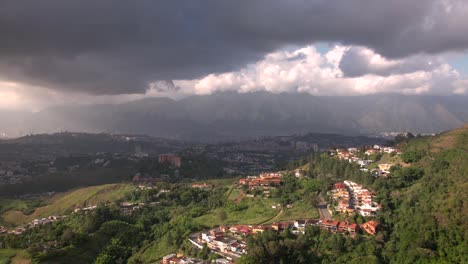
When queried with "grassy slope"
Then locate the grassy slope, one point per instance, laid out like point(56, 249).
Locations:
point(12, 204)
point(14, 256)
point(62, 182)
point(259, 211)
point(388, 159)
point(457, 138)
point(65, 202)
point(453, 147)
point(220, 182)
point(300, 210)
point(155, 251)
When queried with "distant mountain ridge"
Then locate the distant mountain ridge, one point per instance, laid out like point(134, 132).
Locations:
point(230, 115)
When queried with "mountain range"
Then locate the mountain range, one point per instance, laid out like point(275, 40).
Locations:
point(230, 115)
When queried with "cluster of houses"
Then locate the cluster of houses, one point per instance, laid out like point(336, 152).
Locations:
point(16, 231)
point(229, 239)
point(221, 240)
point(44, 221)
point(13, 173)
point(202, 186)
point(354, 198)
point(85, 209)
point(174, 259)
point(264, 180)
point(35, 223)
point(339, 227)
point(180, 259)
point(350, 155)
point(126, 208)
point(371, 227)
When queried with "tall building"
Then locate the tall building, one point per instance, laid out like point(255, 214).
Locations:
point(172, 159)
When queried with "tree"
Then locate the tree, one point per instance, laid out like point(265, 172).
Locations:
point(412, 156)
point(114, 253)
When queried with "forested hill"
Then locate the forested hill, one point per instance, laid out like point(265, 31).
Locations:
point(425, 206)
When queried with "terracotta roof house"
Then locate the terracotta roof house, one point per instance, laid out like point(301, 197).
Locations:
point(371, 227)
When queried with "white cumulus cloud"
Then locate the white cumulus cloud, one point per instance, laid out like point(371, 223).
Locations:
point(344, 70)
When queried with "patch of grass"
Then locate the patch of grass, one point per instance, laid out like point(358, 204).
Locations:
point(234, 194)
point(386, 159)
point(12, 204)
point(154, 251)
point(14, 256)
point(300, 210)
point(258, 211)
point(220, 182)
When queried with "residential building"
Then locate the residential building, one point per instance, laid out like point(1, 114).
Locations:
point(172, 159)
point(371, 227)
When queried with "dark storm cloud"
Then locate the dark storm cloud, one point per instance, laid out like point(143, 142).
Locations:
point(112, 47)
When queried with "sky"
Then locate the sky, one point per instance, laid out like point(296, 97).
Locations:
point(55, 52)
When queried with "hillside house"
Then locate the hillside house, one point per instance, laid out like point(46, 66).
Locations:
point(371, 227)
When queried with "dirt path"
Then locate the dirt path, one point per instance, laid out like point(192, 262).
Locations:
point(280, 212)
point(240, 196)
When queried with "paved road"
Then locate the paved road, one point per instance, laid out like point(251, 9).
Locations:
point(322, 207)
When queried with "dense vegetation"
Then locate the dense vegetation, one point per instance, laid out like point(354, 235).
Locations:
point(424, 216)
point(424, 210)
point(109, 235)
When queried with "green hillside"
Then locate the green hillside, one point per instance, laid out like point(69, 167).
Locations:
point(426, 209)
point(423, 217)
point(64, 203)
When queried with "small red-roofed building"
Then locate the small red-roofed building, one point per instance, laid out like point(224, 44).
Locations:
point(339, 186)
point(371, 227)
point(353, 229)
point(245, 230)
point(330, 225)
point(342, 227)
point(244, 181)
